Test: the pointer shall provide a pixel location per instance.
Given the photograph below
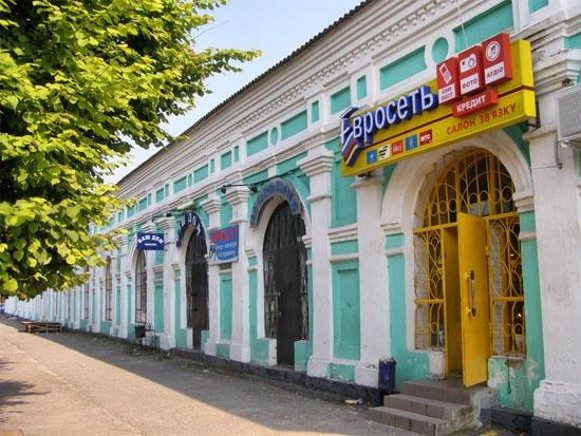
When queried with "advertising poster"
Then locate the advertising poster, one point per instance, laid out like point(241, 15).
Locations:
point(223, 245)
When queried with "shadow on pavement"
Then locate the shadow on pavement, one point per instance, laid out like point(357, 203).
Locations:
point(14, 393)
point(268, 403)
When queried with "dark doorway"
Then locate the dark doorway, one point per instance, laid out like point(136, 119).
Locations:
point(197, 286)
point(285, 282)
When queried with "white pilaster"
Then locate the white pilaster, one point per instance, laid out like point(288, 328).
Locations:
point(167, 339)
point(558, 234)
point(148, 227)
point(372, 281)
point(212, 207)
point(240, 345)
point(318, 165)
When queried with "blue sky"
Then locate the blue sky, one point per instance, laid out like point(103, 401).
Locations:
point(277, 27)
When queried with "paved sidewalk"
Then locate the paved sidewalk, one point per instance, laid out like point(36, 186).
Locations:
point(75, 384)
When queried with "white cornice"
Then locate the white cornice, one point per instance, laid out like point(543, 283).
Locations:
point(374, 35)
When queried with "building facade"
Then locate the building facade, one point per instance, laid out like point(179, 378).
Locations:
point(458, 259)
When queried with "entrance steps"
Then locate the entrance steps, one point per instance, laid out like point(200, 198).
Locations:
point(435, 407)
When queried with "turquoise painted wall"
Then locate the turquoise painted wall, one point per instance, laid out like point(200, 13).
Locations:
point(346, 310)
point(411, 365)
point(180, 333)
point(402, 68)
point(516, 133)
point(225, 213)
point(226, 306)
point(315, 111)
point(258, 347)
point(340, 100)
point(440, 50)
point(361, 87)
point(256, 178)
point(344, 247)
point(158, 303)
point(485, 25)
point(256, 144)
point(289, 170)
point(516, 380)
point(304, 349)
point(180, 185)
point(223, 351)
point(573, 41)
point(159, 195)
point(274, 136)
point(130, 332)
point(105, 327)
point(293, 125)
point(535, 5)
point(201, 174)
point(226, 160)
point(344, 197)
point(118, 305)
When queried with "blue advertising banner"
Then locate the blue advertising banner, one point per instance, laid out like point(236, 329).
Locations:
point(150, 241)
point(223, 245)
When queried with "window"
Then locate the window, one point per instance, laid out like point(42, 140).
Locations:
point(108, 289)
point(141, 289)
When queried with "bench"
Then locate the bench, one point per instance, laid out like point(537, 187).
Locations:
point(42, 327)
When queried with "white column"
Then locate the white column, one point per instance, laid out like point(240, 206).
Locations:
point(318, 165)
point(557, 203)
point(167, 340)
point(124, 272)
point(240, 344)
point(372, 281)
point(149, 227)
point(212, 207)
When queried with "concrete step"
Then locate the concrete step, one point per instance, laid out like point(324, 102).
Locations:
point(449, 391)
point(426, 406)
point(410, 421)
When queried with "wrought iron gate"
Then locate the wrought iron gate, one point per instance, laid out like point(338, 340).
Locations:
point(473, 182)
point(285, 282)
point(197, 286)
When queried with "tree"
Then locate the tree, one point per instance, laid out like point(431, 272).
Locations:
point(81, 81)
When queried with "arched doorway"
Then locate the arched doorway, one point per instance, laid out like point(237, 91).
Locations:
point(469, 300)
point(197, 286)
point(141, 288)
point(285, 282)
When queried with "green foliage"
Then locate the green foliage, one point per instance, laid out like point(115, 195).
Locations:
point(80, 83)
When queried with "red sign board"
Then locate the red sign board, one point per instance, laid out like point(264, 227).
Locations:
point(471, 72)
point(397, 147)
point(497, 59)
point(447, 79)
point(426, 137)
point(474, 103)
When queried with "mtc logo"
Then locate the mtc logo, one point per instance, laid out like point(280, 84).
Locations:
point(472, 70)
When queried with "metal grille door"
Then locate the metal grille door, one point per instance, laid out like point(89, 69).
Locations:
point(285, 282)
point(197, 286)
point(475, 183)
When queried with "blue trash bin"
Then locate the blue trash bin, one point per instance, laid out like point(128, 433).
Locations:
point(386, 375)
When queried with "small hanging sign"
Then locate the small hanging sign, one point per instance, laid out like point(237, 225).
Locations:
point(150, 241)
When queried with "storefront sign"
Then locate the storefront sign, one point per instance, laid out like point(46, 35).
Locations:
point(223, 245)
point(189, 219)
point(275, 188)
point(150, 241)
point(489, 86)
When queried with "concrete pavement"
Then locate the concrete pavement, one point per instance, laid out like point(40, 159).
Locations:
point(75, 384)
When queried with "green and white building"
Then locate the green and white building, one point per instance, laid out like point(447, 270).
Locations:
point(332, 272)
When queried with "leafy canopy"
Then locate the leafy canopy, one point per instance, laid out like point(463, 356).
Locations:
point(81, 81)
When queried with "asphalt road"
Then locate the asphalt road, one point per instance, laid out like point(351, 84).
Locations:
point(76, 384)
